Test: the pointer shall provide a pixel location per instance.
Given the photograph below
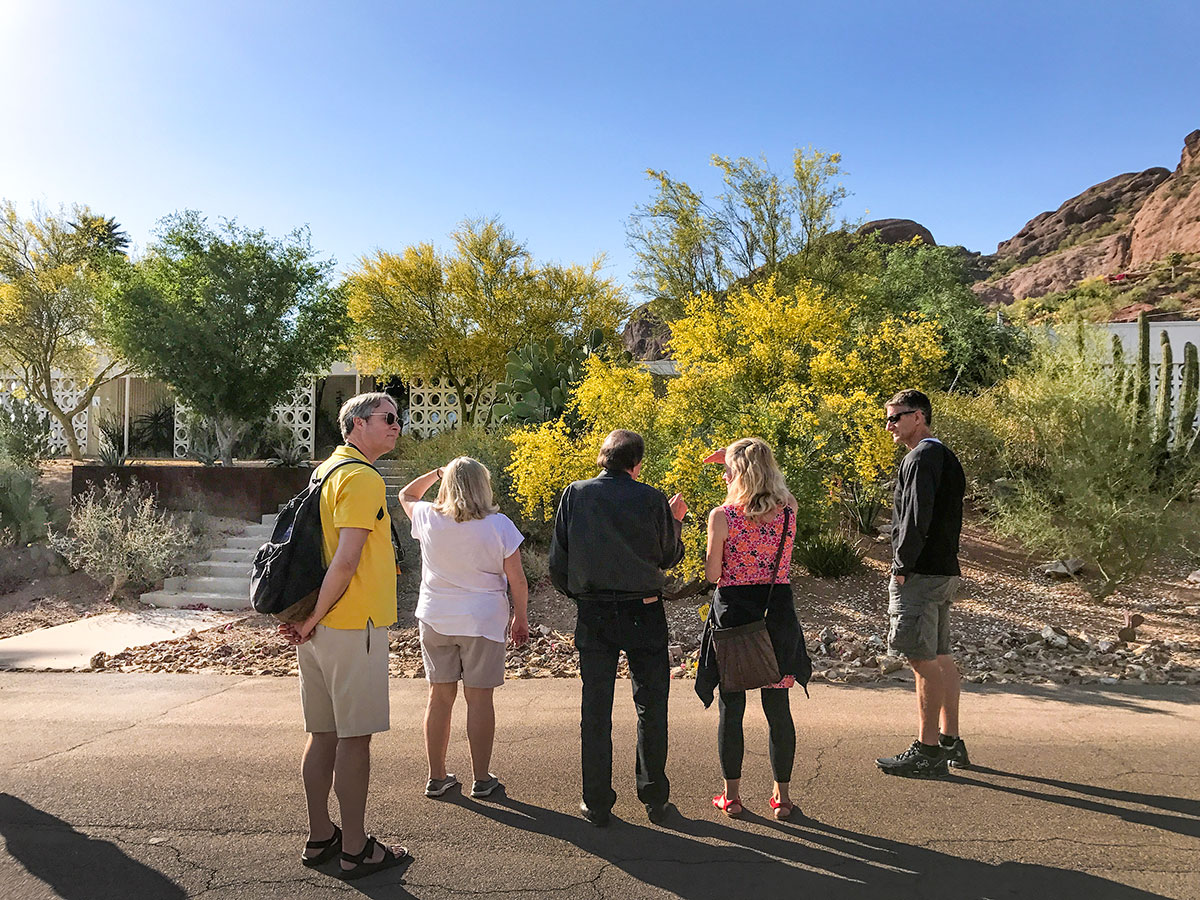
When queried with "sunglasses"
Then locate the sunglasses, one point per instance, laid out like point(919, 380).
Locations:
point(896, 417)
point(390, 417)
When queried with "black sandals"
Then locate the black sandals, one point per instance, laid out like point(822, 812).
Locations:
point(329, 849)
point(363, 868)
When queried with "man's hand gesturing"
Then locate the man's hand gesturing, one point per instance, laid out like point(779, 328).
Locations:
point(678, 506)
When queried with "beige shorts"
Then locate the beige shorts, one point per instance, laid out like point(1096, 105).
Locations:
point(478, 661)
point(344, 680)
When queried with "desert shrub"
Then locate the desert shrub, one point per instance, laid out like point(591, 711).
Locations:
point(827, 555)
point(24, 432)
point(120, 536)
point(262, 440)
point(111, 454)
point(154, 430)
point(1080, 475)
point(25, 511)
point(111, 433)
point(202, 440)
point(290, 454)
point(536, 563)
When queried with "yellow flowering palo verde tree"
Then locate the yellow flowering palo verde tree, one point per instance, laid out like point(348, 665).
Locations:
point(807, 372)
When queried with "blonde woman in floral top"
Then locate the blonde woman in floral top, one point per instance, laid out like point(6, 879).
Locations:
point(744, 537)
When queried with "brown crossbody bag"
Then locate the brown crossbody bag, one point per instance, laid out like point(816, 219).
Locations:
point(745, 655)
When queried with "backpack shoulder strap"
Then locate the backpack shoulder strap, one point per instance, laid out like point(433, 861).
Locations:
point(346, 462)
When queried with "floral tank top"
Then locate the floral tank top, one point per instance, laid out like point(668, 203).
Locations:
point(750, 549)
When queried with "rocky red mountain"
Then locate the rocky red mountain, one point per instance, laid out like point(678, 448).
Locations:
point(1119, 225)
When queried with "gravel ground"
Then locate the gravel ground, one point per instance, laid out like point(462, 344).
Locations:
point(1004, 620)
point(1012, 624)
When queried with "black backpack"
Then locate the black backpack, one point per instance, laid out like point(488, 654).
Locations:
point(289, 568)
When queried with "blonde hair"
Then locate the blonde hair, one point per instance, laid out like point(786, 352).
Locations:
point(756, 484)
point(466, 490)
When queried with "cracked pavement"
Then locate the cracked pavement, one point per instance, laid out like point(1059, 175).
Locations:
point(178, 786)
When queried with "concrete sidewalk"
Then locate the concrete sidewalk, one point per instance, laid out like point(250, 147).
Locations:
point(72, 646)
point(141, 786)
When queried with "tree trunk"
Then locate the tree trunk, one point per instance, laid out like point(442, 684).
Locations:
point(228, 431)
point(68, 430)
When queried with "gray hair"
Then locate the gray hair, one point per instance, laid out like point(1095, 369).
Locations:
point(359, 407)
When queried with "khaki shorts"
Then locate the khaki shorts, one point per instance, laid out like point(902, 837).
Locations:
point(478, 661)
point(919, 614)
point(344, 680)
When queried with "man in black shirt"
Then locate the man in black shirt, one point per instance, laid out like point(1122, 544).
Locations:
point(613, 537)
point(926, 522)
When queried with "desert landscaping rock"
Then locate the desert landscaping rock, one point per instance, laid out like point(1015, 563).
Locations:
point(1064, 568)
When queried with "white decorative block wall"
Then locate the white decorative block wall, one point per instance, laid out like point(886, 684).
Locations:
point(67, 392)
point(183, 441)
point(297, 412)
point(433, 405)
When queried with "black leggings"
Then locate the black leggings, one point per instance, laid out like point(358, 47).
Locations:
point(730, 745)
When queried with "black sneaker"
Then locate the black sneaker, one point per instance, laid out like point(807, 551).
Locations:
point(912, 763)
point(956, 754)
point(598, 817)
point(657, 812)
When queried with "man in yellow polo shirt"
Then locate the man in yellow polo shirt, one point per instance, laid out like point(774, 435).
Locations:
point(343, 646)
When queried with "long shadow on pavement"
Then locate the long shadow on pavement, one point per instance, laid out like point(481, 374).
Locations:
point(1186, 824)
point(703, 860)
point(1127, 697)
point(75, 866)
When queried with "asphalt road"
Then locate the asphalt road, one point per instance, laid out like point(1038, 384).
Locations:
point(142, 786)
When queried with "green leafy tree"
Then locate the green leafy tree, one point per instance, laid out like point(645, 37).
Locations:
point(458, 315)
point(229, 318)
point(981, 346)
point(55, 272)
point(761, 224)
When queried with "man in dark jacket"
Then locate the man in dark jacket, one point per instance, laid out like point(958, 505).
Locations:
point(926, 522)
point(613, 537)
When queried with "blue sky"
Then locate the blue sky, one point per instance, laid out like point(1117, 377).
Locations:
point(381, 124)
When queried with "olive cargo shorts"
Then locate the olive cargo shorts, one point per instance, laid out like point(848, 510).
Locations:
point(919, 614)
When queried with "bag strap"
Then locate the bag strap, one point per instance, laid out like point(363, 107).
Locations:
point(787, 518)
point(332, 469)
point(347, 462)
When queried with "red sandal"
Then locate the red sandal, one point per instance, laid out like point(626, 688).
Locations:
point(732, 808)
point(782, 809)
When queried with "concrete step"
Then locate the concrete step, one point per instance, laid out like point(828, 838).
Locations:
point(270, 519)
point(234, 555)
point(180, 599)
point(216, 568)
point(258, 531)
point(237, 586)
point(244, 542)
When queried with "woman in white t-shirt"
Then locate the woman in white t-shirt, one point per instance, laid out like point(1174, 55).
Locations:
point(470, 559)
